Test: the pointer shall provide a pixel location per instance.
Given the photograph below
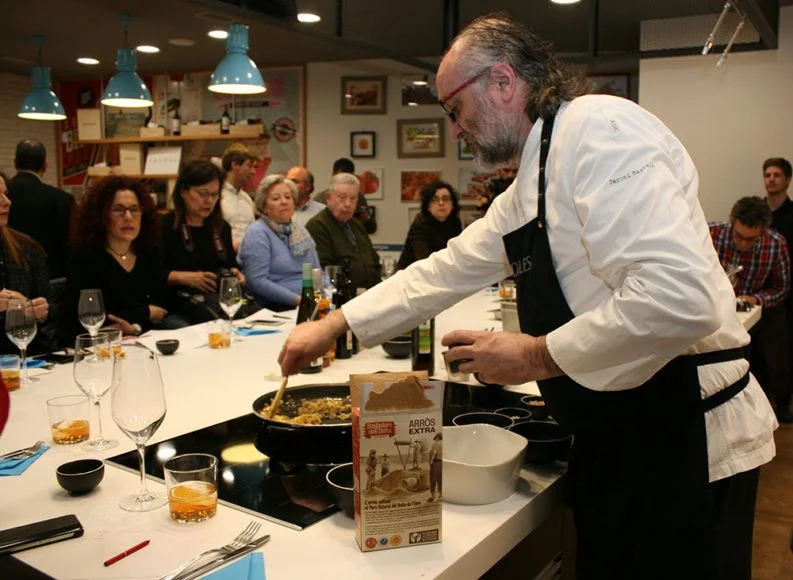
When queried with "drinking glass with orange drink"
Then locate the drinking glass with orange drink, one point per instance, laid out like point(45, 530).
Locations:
point(219, 334)
point(69, 419)
point(9, 368)
point(191, 480)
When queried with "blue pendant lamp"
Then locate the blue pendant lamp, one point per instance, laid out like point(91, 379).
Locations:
point(237, 73)
point(41, 104)
point(126, 88)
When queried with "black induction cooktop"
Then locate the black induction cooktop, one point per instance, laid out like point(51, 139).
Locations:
point(294, 495)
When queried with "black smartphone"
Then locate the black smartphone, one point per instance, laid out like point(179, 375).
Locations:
point(40, 534)
point(58, 359)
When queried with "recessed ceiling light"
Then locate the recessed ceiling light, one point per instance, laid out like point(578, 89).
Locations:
point(308, 17)
point(219, 34)
point(413, 104)
point(87, 60)
point(181, 41)
point(148, 49)
point(565, 1)
point(422, 82)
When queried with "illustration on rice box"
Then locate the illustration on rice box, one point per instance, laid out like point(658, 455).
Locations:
point(397, 456)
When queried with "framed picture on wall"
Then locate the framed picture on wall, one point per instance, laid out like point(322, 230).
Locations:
point(362, 144)
point(412, 182)
point(371, 183)
point(420, 138)
point(617, 85)
point(464, 151)
point(363, 95)
point(412, 213)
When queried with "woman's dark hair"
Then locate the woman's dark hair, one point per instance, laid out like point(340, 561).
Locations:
point(195, 173)
point(429, 192)
point(13, 240)
point(92, 214)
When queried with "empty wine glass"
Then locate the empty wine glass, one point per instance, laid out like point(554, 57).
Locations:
point(138, 408)
point(91, 310)
point(21, 330)
point(93, 372)
point(230, 297)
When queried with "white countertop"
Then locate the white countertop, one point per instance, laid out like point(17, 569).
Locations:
point(204, 387)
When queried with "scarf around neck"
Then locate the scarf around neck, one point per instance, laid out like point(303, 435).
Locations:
point(297, 238)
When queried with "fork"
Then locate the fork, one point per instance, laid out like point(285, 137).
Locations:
point(241, 540)
point(23, 453)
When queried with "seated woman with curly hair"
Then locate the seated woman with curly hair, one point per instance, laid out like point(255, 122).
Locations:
point(115, 234)
point(436, 224)
point(23, 276)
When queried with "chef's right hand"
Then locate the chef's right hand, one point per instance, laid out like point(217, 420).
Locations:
point(309, 341)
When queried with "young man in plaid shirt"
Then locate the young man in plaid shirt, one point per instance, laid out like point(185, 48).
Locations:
point(748, 241)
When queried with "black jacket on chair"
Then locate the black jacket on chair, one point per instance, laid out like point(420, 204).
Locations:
point(42, 212)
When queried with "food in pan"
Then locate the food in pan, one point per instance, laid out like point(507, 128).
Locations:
point(312, 411)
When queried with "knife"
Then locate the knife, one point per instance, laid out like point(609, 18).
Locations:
point(196, 572)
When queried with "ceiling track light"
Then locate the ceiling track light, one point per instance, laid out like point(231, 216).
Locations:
point(237, 74)
point(126, 88)
point(738, 28)
point(41, 104)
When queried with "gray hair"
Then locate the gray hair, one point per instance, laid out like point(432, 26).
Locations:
point(266, 184)
point(343, 179)
point(497, 38)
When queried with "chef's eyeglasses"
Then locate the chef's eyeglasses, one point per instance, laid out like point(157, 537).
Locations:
point(451, 113)
point(121, 210)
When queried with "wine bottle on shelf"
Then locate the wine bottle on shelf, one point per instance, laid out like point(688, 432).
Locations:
point(305, 313)
point(176, 123)
point(422, 347)
point(225, 121)
point(344, 341)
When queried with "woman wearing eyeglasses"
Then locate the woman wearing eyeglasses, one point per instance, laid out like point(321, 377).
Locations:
point(196, 247)
point(436, 224)
point(115, 234)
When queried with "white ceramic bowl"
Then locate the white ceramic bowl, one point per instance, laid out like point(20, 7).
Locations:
point(481, 463)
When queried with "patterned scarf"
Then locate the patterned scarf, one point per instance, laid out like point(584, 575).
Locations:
point(298, 239)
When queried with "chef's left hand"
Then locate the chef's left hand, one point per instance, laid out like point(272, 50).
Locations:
point(505, 358)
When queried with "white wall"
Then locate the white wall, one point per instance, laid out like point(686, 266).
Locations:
point(730, 119)
point(328, 136)
point(13, 89)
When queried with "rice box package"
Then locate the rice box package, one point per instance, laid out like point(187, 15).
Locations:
point(397, 421)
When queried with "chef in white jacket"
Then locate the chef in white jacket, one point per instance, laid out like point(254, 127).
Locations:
point(628, 321)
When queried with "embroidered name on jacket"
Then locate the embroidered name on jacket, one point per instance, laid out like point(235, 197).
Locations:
point(632, 173)
point(522, 265)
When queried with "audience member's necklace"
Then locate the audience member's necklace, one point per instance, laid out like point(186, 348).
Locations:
point(120, 256)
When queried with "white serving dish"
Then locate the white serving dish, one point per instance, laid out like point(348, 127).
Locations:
point(481, 463)
point(509, 316)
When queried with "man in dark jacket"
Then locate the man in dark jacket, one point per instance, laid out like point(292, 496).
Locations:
point(38, 209)
point(339, 237)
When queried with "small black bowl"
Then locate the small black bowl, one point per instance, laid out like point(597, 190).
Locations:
point(398, 347)
point(535, 404)
point(80, 476)
point(341, 484)
point(515, 413)
point(487, 418)
point(167, 346)
point(547, 441)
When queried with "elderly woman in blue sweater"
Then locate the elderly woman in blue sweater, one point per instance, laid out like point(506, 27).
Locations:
point(275, 248)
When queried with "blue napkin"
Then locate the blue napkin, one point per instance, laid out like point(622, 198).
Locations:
point(36, 363)
point(254, 331)
point(251, 567)
point(18, 466)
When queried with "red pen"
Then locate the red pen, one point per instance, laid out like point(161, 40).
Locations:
point(126, 553)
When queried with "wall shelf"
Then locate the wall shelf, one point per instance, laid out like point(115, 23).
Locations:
point(169, 139)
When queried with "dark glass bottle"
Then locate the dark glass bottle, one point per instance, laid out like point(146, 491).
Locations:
point(422, 347)
point(350, 291)
point(343, 342)
point(305, 312)
point(176, 123)
point(225, 121)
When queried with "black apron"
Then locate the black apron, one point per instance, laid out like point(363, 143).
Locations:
point(637, 478)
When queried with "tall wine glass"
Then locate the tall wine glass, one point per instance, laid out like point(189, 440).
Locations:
point(93, 372)
point(230, 297)
point(21, 330)
point(138, 407)
point(91, 310)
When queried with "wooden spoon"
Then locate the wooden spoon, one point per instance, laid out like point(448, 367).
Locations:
point(277, 399)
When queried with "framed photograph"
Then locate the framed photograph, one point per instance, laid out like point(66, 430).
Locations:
point(472, 182)
point(363, 95)
point(362, 144)
point(420, 138)
point(464, 151)
point(371, 183)
point(617, 85)
point(412, 182)
point(412, 213)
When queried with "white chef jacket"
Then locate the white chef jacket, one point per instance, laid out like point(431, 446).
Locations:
point(238, 210)
point(634, 258)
